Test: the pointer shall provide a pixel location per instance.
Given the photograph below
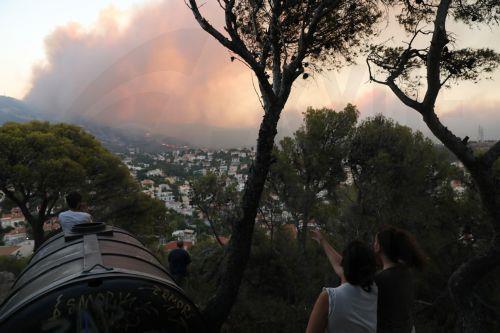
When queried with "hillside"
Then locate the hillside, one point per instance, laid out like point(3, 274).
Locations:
point(115, 139)
point(12, 109)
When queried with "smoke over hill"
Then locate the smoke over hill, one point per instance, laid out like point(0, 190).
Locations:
point(154, 69)
point(157, 71)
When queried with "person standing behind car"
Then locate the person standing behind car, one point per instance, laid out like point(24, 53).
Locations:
point(178, 260)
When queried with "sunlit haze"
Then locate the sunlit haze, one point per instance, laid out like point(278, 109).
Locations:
point(147, 64)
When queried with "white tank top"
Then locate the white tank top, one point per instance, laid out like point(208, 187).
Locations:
point(351, 309)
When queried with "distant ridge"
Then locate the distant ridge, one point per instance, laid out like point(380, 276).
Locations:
point(12, 109)
point(115, 139)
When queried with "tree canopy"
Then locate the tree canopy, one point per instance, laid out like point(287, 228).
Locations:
point(216, 197)
point(394, 169)
point(41, 162)
point(311, 164)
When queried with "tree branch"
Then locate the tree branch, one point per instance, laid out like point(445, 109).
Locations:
point(19, 202)
point(43, 209)
point(408, 101)
point(294, 68)
point(404, 98)
point(236, 45)
point(276, 46)
point(491, 155)
point(439, 40)
point(52, 204)
point(205, 25)
point(211, 222)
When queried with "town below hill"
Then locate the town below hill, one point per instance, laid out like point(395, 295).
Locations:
point(165, 175)
point(165, 172)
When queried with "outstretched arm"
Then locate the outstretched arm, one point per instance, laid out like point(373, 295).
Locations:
point(333, 256)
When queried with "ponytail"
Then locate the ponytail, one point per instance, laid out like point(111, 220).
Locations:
point(400, 246)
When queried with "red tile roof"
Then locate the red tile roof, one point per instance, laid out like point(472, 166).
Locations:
point(173, 245)
point(291, 229)
point(51, 225)
point(7, 250)
point(223, 240)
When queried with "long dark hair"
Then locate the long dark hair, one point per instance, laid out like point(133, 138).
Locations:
point(400, 246)
point(358, 262)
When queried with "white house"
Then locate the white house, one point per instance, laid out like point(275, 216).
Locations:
point(165, 196)
point(164, 187)
point(154, 172)
point(185, 235)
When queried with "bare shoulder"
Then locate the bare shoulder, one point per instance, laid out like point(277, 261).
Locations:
point(323, 300)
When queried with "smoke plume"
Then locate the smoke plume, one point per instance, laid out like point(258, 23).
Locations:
point(154, 68)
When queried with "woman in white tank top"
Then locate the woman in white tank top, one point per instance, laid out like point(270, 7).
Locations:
point(351, 307)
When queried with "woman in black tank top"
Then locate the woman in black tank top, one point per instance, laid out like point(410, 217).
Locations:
point(398, 252)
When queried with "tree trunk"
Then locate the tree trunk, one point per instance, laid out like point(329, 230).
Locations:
point(272, 234)
point(306, 210)
point(38, 233)
point(462, 283)
point(214, 232)
point(471, 317)
point(303, 234)
point(219, 306)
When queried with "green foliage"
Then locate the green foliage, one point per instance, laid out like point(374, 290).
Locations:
point(4, 231)
point(339, 32)
point(41, 162)
point(402, 65)
point(216, 197)
point(45, 157)
point(387, 160)
point(12, 264)
point(271, 211)
point(310, 166)
point(278, 289)
point(137, 213)
point(400, 178)
point(175, 221)
point(474, 12)
point(403, 180)
point(6, 205)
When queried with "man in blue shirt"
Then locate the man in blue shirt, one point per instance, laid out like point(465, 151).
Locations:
point(178, 260)
point(75, 214)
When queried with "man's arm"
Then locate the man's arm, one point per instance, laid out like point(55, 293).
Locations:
point(333, 256)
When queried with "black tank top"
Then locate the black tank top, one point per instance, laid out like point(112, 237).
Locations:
point(395, 300)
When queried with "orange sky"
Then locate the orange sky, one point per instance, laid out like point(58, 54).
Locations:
point(152, 66)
